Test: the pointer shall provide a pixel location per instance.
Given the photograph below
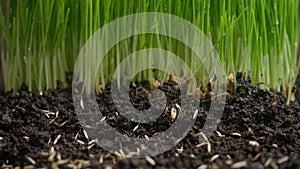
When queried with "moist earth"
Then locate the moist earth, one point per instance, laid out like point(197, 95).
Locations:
point(257, 130)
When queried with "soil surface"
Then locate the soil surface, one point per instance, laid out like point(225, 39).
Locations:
point(257, 130)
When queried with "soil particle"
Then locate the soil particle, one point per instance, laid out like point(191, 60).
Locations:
point(257, 130)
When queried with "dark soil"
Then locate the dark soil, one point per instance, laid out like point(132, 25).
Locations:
point(257, 130)
point(297, 83)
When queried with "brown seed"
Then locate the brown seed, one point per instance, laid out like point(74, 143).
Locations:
point(155, 83)
point(174, 79)
point(101, 88)
point(173, 113)
point(200, 93)
point(140, 91)
point(230, 83)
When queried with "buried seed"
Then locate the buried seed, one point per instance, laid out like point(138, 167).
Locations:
point(239, 164)
point(150, 160)
point(236, 134)
point(101, 159)
point(195, 114)
point(136, 127)
point(254, 143)
point(103, 118)
point(283, 159)
point(203, 166)
point(275, 145)
point(62, 124)
point(25, 137)
point(31, 160)
point(85, 134)
point(268, 162)
point(173, 113)
point(56, 139)
point(80, 141)
point(178, 107)
point(213, 158)
point(256, 157)
point(81, 103)
point(180, 150)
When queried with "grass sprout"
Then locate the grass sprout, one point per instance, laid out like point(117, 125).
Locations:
point(44, 38)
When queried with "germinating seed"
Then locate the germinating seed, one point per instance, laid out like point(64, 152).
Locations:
point(203, 135)
point(219, 134)
point(201, 144)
